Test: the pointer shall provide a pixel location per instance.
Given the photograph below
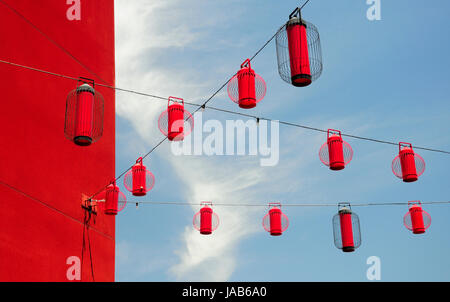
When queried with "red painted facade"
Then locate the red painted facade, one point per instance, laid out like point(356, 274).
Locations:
point(41, 220)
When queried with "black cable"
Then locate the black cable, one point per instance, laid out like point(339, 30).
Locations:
point(133, 202)
point(304, 5)
point(89, 242)
point(198, 108)
point(220, 110)
point(83, 246)
point(50, 39)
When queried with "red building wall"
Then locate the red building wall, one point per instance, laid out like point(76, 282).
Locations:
point(43, 174)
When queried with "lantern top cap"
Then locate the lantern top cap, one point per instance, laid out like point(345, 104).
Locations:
point(345, 210)
point(295, 21)
point(85, 87)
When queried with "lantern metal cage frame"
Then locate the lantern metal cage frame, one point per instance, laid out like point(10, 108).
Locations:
point(84, 85)
point(266, 218)
point(324, 154)
point(418, 160)
point(337, 233)
point(314, 49)
point(407, 221)
point(233, 85)
point(215, 221)
point(149, 179)
point(163, 120)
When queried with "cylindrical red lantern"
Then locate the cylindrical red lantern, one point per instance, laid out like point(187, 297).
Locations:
point(299, 52)
point(175, 122)
point(84, 114)
point(408, 165)
point(246, 88)
point(139, 180)
point(206, 221)
point(346, 229)
point(275, 222)
point(416, 220)
point(335, 153)
point(115, 200)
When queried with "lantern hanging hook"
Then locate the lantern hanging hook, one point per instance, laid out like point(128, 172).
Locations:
point(274, 205)
point(403, 144)
point(206, 203)
point(333, 131)
point(175, 98)
point(298, 11)
point(416, 202)
point(84, 80)
point(246, 63)
point(139, 160)
point(344, 204)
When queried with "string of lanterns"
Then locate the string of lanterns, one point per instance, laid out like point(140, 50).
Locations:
point(346, 224)
point(299, 64)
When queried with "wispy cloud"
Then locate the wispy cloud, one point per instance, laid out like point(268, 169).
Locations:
point(143, 34)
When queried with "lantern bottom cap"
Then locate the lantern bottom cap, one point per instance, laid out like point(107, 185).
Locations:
point(247, 103)
point(276, 234)
point(206, 232)
point(410, 178)
point(82, 140)
point(139, 193)
point(301, 80)
point(337, 167)
point(178, 136)
point(348, 249)
point(419, 231)
point(109, 212)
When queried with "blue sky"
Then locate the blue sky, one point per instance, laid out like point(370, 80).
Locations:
point(384, 79)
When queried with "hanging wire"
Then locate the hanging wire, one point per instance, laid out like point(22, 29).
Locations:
point(300, 8)
point(283, 204)
point(50, 39)
point(46, 204)
point(203, 106)
point(86, 221)
point(199, 107)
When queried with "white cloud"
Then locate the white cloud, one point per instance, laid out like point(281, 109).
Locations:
point(143, 34)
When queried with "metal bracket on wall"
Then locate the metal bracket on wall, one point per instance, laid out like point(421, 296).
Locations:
point(88, 204)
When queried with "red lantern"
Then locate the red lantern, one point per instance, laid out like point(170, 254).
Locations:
point(139, 180)
point(84, 114)
point(299, 52)
point(115, 200)
point(346, 230)
point(246, 88)
point(206, 221)
point(175, 122)
point(416, 220)
point(275, 222)
point(408, 165)
point(335, 153)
